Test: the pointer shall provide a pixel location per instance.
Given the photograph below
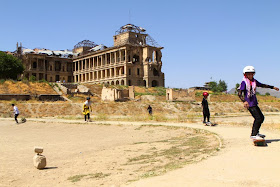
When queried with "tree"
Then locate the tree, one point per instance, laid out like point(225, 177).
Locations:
point(10, 66)
point(236, 87)
point(218, 87)
point(213, 86)
point(222, 86)
point(267, 93)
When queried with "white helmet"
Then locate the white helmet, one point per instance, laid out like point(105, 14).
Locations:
point(249, 69)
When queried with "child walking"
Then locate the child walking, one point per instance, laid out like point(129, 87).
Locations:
point(16, 112)
point(247, 94)
point(206, 112)
point(86, 109)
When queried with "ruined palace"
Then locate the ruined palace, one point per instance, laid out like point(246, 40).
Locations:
point(134, 59)
point(46, 64)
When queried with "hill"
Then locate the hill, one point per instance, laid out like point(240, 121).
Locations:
point(19, 87)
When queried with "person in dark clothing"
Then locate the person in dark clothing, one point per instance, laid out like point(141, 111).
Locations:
point(206, 112)
point(247, 94)
point(150, 110)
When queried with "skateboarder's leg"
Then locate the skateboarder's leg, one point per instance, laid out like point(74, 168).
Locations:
point(204, 117)
point(259, 118)
point(16, 115)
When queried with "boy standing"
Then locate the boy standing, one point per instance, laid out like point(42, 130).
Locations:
point(247, 94)
point(206, 112)
point(86, 109)
point(16, 112)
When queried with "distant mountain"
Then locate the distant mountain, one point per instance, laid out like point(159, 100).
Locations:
point(262, 91)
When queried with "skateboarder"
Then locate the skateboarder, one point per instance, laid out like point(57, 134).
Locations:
point(87, 109)
point(247, 94)
point(206, 112)
point(16, 112)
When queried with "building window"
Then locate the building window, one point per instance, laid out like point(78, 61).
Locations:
point(135, 58)
point(34, 65)
point(57, 66)
point(138, 71)
point(155, 72)
point(129, 71)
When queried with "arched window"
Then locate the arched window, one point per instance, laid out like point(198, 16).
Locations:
point(135, 58)
point(154, 83)
point(155, 72)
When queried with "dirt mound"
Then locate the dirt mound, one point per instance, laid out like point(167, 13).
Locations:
point(32, 88)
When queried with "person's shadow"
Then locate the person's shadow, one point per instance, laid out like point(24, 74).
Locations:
point(49, 168)
point(272, 140)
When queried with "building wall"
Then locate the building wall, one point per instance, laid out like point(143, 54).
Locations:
point(49, 68)
point(180, 95)
point(121, 65)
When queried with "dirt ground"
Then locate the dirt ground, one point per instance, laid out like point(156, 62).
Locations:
point(100, 154)
point(96, 154)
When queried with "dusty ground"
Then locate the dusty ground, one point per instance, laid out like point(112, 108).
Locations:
point(96, 154)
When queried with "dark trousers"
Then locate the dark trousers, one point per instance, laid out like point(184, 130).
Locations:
point(16, 115)
point(206, 114)
point(259, 118)
point(86, 116)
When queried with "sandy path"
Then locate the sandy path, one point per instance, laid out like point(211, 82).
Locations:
point(239, 164)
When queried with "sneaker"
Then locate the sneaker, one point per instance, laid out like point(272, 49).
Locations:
point(256, 137)
point(204, 121)
point(261, 135)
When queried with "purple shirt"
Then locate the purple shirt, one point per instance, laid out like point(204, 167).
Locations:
point(252, 101)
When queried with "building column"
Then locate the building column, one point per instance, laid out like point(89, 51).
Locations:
point(102, 63)
point(115, 72)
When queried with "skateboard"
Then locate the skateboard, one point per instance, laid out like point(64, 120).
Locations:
point(23, 120)
point(259, 142)
point(209, 124)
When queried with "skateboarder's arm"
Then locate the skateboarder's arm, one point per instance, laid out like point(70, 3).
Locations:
point(266, 86)
point(241, 95)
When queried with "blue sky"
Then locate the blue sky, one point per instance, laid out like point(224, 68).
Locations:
point(203, 40)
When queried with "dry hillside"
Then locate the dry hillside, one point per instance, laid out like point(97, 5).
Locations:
point(18, 87)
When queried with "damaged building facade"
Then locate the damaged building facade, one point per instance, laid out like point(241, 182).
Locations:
point(135, 59)
point(46, 64)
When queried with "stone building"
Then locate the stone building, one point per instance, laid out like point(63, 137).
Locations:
point(135, 59)
point(46, 64)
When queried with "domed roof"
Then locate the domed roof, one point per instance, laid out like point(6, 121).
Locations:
point(85, 43)
point(130, 27)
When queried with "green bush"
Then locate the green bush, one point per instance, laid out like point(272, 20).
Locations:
point(32, 78)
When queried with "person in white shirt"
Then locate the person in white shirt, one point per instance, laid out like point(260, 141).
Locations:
point(16, 112)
